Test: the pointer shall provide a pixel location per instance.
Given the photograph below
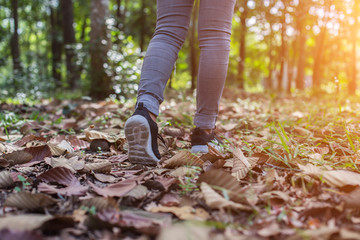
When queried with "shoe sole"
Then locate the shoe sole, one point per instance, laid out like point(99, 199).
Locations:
point(137, 132)
point(200, 149)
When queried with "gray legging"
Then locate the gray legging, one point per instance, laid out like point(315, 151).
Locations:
point(173, 17)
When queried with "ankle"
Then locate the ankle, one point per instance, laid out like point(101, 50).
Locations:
point(153, 116)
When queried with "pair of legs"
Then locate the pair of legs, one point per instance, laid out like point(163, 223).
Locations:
point(214, 30)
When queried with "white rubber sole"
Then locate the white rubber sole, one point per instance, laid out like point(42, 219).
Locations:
point(137, 132)
point(200, 149)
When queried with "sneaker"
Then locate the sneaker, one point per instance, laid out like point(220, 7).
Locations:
point(200, 140)
point(141, 133)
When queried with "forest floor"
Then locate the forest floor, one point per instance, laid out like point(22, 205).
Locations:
point(288, 169)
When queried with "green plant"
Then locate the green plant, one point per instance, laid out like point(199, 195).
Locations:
point(7, 119)
point(91, 210)
point(188, 183)
point(24, 183)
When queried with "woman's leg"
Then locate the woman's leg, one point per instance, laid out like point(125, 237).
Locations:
point(173, 17)
point(215, 18)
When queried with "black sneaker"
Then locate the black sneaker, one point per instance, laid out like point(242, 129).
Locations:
point(200, 140)
point(141, 133)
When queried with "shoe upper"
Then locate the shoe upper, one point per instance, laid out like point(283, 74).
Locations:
point(201, 137)
point(143, 111)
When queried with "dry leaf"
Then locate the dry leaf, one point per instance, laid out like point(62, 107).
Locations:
point(60, 175)
point(27, 200)
point(93, 134)
point(99, 167)
point(334, 178)
point(170, 200)
point(223, 180)
point(184, 171)
point(185, 230)
point(56, 150)
point(216, 201)
point(241, 164)
point(23, 222)
point(138, 192)
point(39, 153)
point(6, 180)
point(14, 234)
point(183, 158)
point(73, 163)
point(99, 203)
point(99, 145)
point(75, 189)
point(105, 178)
point(18, 157)
point(184, 213)
point(115, 190)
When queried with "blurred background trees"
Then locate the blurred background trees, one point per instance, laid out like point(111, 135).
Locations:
point(93, 47)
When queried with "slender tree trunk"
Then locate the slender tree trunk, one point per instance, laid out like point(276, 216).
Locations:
point(15, 50)
point(242, 47)
point(143, 26)
point(300, 76)
point(291, 64)
point(282, 52)
point(101, 85)
point(318, 58)
point(320, 43)
point(352, 84)
point(69, 42)
point(56, 46)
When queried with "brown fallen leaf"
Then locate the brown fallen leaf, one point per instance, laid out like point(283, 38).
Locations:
point(74, 189)
point(28, 200)
point(170, 200)
point(15, 234)
point(272, 229)
point(99, 203)
point(183, 213)
point(99, 145)
point(225, 181)
point(118, 158)
point(99, 167)
point(334, 178)
point(105, 178)
point(23, 222)
point(60, 175)
point(93, 134)
point(184, 171)
point(216, 201)
point(241, 164)
point(74, 164)
point(115, 190)
point(6, 180)
point(183, 230)
point(183, 158)
point(39, 153)
point(138, 192)
point(18, 157)
point(56, 150)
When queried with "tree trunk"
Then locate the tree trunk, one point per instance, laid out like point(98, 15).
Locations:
point(69, 42)
point(242, 47)
point(282, 54)
point(15, 50)
point(101, 85)
point(300, 76)
point(56, 46)
point(302, 11)
point(352, 83)
point(320, 42)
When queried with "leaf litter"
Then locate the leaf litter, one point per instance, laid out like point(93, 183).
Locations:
point(288, 169)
